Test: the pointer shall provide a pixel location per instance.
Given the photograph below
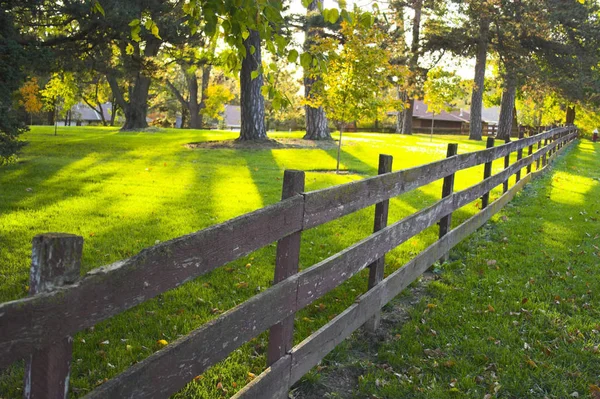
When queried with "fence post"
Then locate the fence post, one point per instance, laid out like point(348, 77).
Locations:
point(487, 172)
point(529, 152)
point(506, 165)
point(376, 268)
point(545, 157)
point(537, 163)
point(519, 157)
point(55, 261)
point(281, 335)
point(447, 189)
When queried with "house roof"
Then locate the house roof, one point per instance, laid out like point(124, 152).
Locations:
point(420, 112)
point(489, 115)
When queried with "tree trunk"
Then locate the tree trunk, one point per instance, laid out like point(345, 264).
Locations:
point(505, 123)
point(316, 121)
point(570, 119)
point(400, 114)
point(251, 98)
point(137, 108)
point(407, 117)
point(475, 121)
point(413, 64)
point(206, 70)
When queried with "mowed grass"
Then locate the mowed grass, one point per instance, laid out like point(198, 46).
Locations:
point(516, 314)
point(125, 191)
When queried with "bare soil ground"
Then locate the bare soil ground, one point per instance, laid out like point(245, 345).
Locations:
point(339, 378)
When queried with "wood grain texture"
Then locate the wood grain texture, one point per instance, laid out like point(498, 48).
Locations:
point(170, 369)
point(55, 261)
point(36, 322)
point(274, 382)
point(376, 269)
point(281, 335)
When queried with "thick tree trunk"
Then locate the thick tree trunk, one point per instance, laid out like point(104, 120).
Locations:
point(475, 121)
point(316, 121)
point(407, 117)
point(570, 118)
point(251, 98)
point(505, 123)
point(137, 108)
point(316, 124)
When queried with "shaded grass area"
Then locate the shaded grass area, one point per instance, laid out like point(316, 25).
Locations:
point(125, 191)
point(515, 315)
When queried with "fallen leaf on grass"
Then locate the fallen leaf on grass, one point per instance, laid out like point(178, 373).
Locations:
point(241, 284)
point(162, 342)
point(491, 309)
point(531, 363)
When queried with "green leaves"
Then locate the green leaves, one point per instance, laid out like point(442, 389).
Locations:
point(136, 28)
point(97, 7)
point(331, 15)
point(292, 56)
point(306, 60)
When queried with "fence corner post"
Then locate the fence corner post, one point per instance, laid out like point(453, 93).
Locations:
point(447, 189)
point(487, 172)
point(281, 335)
point(55, 261)
point(377, 268)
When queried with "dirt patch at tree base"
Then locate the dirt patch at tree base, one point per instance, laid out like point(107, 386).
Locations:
point(267, 144)
point(339, 379)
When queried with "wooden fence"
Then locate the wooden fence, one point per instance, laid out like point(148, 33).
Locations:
point(40, 328)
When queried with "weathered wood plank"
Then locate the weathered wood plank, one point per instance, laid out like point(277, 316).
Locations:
point(274, 382)
point(170, 369)
point(281, 335)
point(377, 268)
point(55, 261)
point(38, 321)
point(331, 203)
point(314, 348)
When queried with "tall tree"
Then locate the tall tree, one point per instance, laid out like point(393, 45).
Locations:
point(481, 49)
point(316, 121)
point(356, 78)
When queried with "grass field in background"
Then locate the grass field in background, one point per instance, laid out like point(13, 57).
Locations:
point(125, 191)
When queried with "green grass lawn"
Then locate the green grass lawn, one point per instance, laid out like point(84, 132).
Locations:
point(124, 191)
point(515, 315)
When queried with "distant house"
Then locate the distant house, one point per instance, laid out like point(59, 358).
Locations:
point(453, 122)
point(82, 115)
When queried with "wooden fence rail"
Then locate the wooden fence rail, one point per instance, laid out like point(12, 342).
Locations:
point(65, 306)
